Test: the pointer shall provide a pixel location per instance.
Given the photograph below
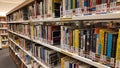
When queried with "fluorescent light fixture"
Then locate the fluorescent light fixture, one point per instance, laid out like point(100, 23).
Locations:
point(11, 1)
point(3, 13)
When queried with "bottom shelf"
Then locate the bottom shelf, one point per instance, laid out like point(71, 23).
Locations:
point(16, 54)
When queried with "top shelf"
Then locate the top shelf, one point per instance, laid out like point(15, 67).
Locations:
point(77, 18)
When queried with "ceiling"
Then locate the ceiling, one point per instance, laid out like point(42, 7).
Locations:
point(7, 5)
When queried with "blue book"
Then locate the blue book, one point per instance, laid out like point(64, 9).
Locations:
point(85, 3)
point(99, 49)
point(99, 46)
point(44, 54)
point(70, 65)
point(71, 4)
point(78, 3)
point(111, 0)
point(109, 46)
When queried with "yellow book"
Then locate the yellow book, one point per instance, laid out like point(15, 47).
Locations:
point(76, 40)
point(118, 53)
point(102, 40)
point(63, 60)
point(57, 0)
point(50, 7)
point(119, 33)
point(118, 50)
point(81, 3)
point(73, 4)
point(32, 31)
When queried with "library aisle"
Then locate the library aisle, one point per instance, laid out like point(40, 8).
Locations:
point(60, 34)
point(5, 59)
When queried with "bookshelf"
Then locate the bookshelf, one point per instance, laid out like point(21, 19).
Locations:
point(63, 51)
point(29, 54)
point(3, 32)
point(28, 66)
point(82, 30)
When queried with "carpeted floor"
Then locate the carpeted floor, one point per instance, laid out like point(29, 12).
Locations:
point(5, 60)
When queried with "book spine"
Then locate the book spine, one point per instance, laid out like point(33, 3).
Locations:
point(64, 7)
point(118, 53)
point(66, 4)
point(102, 41)
point(97, 43)
point(105, 43)
point(76, 41)
point(78, 3)
point(46, 38)
point(62, 37)
point(109, 45)
point(82, 45)
point(87, 46)
point(115, 36)
point(85, 3)
point(71, 39)
point(73, 4)
point(91, 39)
point(94, 43)
point(69, 4)
point(113, 51)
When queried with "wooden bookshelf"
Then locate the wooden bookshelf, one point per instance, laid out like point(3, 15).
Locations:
point(3, 27)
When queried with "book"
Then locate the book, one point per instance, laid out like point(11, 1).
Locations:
point(67, 62)
point(76, 40)
point(54, 35)
point(117, 54)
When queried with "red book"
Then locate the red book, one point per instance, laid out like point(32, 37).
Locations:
point(52, 29)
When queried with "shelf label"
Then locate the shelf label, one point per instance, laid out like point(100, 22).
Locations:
point(66, 53)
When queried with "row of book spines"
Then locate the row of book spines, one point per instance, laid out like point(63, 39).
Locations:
point(22, 14)
point(39, 51)
point(72, 4)
point(47, 32)
point(76, 44)
point(33, 10)
point(48, 56)
point(3, 25)
point(27, 59)
point(49, 10)
point(108, 42)
point(3, 31)
point(100, 47)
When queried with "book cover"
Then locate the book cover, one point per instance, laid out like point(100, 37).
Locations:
point(118, 53)
point(63, 61)
point(109, 46)
point(76, 41)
